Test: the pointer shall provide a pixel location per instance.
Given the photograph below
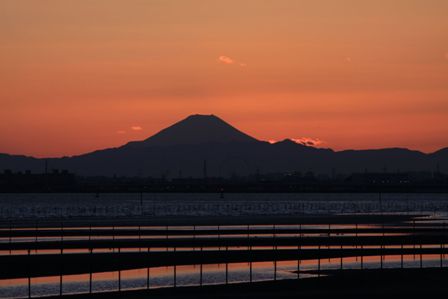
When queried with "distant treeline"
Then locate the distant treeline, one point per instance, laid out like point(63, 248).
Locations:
point(63, 181)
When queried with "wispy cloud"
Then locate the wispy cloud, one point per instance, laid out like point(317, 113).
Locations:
point(136, 128)
point(121, 132)
point(308, 141)
point(227, 60)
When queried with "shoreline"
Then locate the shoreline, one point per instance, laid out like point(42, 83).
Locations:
point(280, 219)
point(387, 283)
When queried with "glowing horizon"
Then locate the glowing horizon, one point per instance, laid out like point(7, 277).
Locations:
point(347, 74)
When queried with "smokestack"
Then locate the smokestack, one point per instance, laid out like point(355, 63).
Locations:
point(204, 169)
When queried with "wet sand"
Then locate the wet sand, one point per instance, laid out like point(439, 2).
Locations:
point(322, 237)
point(385, 283)
point(53, 260)
point(53, 265)
point(218, 242)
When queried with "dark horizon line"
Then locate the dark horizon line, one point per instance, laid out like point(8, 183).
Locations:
point(215, 117)
point(261, 141)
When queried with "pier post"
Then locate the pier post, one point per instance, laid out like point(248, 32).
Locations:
point(382, 241)
point(175, 269)
point(274, 247)
point(274, 235)
point(139, 237)
point(444, 232)
point(250, 272)
point(250, 264)
point(421, 257)
point(318, 261)
point(119, 270)
point(298, 252)
point(381, 259)
point(29, 275)
point(200, 271)
point(341, 265)
point(219, 238)
point(36, 237)
point(275, 268)
point(37, 231)
point(329, 237)
point(113, 236)
point(90, 270)
point(194, 236)
point(413, 234)
point(227, 266)
point(200, 275)
point(10, 237)
point(356, 236)
point(402, 258)
point(62, 263)
point(362, 257)
point(147, 273)
point(250, 253)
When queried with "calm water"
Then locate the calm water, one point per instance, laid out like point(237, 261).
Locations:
point(16, 206)
point(39, 206)
point(189, 275)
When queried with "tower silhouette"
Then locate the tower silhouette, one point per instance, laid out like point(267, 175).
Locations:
point(204, 169)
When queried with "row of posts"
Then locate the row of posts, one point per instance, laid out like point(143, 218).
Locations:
point(91, 256)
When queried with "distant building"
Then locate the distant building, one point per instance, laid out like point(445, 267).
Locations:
point(38, 182)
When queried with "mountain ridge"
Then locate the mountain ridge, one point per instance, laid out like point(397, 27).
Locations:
point(184, 146)
point(196, 129)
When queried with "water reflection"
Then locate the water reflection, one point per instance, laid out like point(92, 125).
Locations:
point(211, 274)
point(207, 274)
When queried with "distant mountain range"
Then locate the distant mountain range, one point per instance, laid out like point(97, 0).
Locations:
point(206, 145)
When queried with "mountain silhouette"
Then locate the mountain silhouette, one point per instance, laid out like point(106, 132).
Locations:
point(196, 129)
point(181, 149)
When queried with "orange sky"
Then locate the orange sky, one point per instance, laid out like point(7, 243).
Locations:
point(76, 76)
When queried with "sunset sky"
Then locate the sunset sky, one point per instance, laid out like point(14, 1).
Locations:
point(81, 75)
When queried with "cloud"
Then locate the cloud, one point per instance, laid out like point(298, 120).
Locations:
point(308, 141)
point(121, 132)
point(136, 128)
point(226, 59)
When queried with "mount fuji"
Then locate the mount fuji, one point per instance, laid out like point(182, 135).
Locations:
point(181, 149)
